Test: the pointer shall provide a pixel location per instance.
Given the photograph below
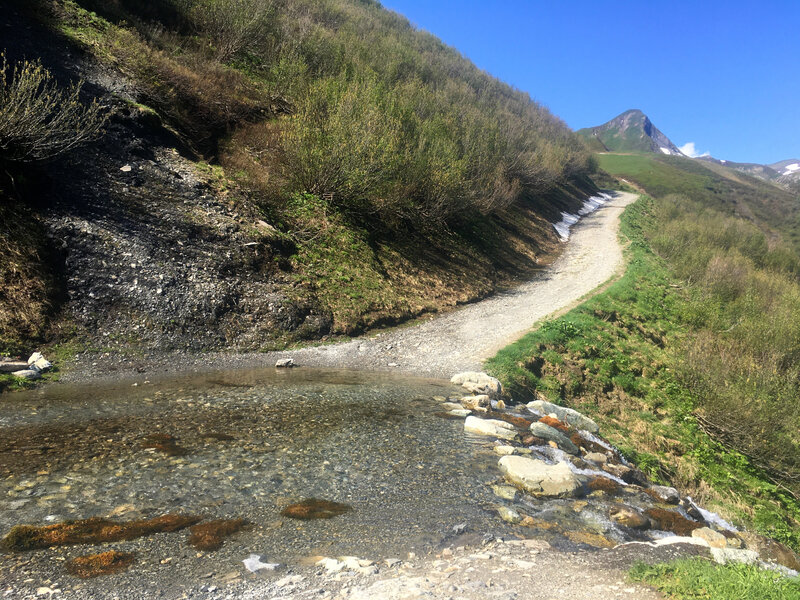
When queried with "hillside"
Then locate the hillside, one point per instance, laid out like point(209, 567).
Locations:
point(632, 131)
point(691, 358)
point(270, 172)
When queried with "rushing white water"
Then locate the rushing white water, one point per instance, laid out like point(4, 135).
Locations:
point(712, 517)
point(568, 219)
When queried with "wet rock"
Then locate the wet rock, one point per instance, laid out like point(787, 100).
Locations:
point(284, 363)
point(591, 539)
point(662, 493)
point(770, 550)
point(714, 538)
point(546, 432)
point(475, 402)
point(668, 520)
point(568, 415)
point(504, 450)
point(506, 492)
point(459, 412)
point(491, 427)
point(478, 383)
point(509, 515)
point(629, 517)
point(596, 457)
point(603, 484)
point(727, 555)
point(539, 478)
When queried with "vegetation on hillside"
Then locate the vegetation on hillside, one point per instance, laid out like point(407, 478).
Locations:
point(340, 98)
point(689, 361)
point(39, 120)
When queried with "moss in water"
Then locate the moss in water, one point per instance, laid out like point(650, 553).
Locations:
point(211, 535)
point(313, 508)
point(668, 520)
point(165, 443)
point(520, 422)
point(95, 565)
point(603, 484)
point(90, 531)
point(556, 424)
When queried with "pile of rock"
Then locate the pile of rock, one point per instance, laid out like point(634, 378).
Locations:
point(32, 369)
point(551, 454)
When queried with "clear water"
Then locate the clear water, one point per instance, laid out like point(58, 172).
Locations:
point(256, 441)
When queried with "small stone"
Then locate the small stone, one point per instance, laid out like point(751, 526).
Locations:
point(665, 494)
point(714, 538)
point(491, 427)
point(289, 580)
point(473, 402)
point(126, 168)
point(284, 363)
point(538, 478)
point(504, 450)
point(506, 492)
point(629, 517)
point(390, 562)
point(551, 433)
point(451, 406)
point(509, 515)
point(596, 457)
point(459, 412)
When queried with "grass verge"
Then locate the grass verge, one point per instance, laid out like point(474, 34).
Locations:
point(617, 358)
point(698, 579)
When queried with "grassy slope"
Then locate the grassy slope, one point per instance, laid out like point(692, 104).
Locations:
point(425, 215)
point(618, 358)
point(698, 579)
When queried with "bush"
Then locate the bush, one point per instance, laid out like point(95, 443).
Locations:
point(39, 120)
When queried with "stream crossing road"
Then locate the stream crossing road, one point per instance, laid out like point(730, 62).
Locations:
point(462, 339)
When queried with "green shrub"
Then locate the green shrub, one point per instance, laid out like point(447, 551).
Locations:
point(38, 119)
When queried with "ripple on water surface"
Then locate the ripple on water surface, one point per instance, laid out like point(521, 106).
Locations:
point(244, 445)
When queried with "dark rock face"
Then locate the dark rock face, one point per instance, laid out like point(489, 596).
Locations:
point(153, 251)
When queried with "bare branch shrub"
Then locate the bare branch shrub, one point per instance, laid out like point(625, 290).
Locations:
point(38, 119)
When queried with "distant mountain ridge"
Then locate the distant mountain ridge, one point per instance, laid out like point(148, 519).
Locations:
point(634, 132)
point(631, 131)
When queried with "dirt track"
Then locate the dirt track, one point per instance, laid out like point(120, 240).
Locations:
point(462, 339)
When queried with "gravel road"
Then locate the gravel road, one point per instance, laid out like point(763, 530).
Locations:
point(461, 340)
point(437, 347)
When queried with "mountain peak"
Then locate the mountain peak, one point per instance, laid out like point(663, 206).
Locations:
point(630, 131)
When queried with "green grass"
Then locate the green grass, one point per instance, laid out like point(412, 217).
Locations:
point(617, 357)
point(698, 579)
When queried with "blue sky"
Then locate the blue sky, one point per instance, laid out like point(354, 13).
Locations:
point(723, 75)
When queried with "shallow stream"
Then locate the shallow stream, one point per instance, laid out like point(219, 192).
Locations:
point(252, 442)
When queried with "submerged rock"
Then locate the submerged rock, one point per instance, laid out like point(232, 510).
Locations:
point(629, 517)
point(284, 363)
point(475, 402)
point(313, 508)
point(714, 538)
point(212, 534)
point(665, 494)
point(492, 427)
point(539, 478)
point(568, 415)
point(509, 515)
point(95, 565)
point(546, 432)
point(478, 383)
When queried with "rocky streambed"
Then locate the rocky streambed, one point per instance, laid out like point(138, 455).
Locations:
point(213, 486)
